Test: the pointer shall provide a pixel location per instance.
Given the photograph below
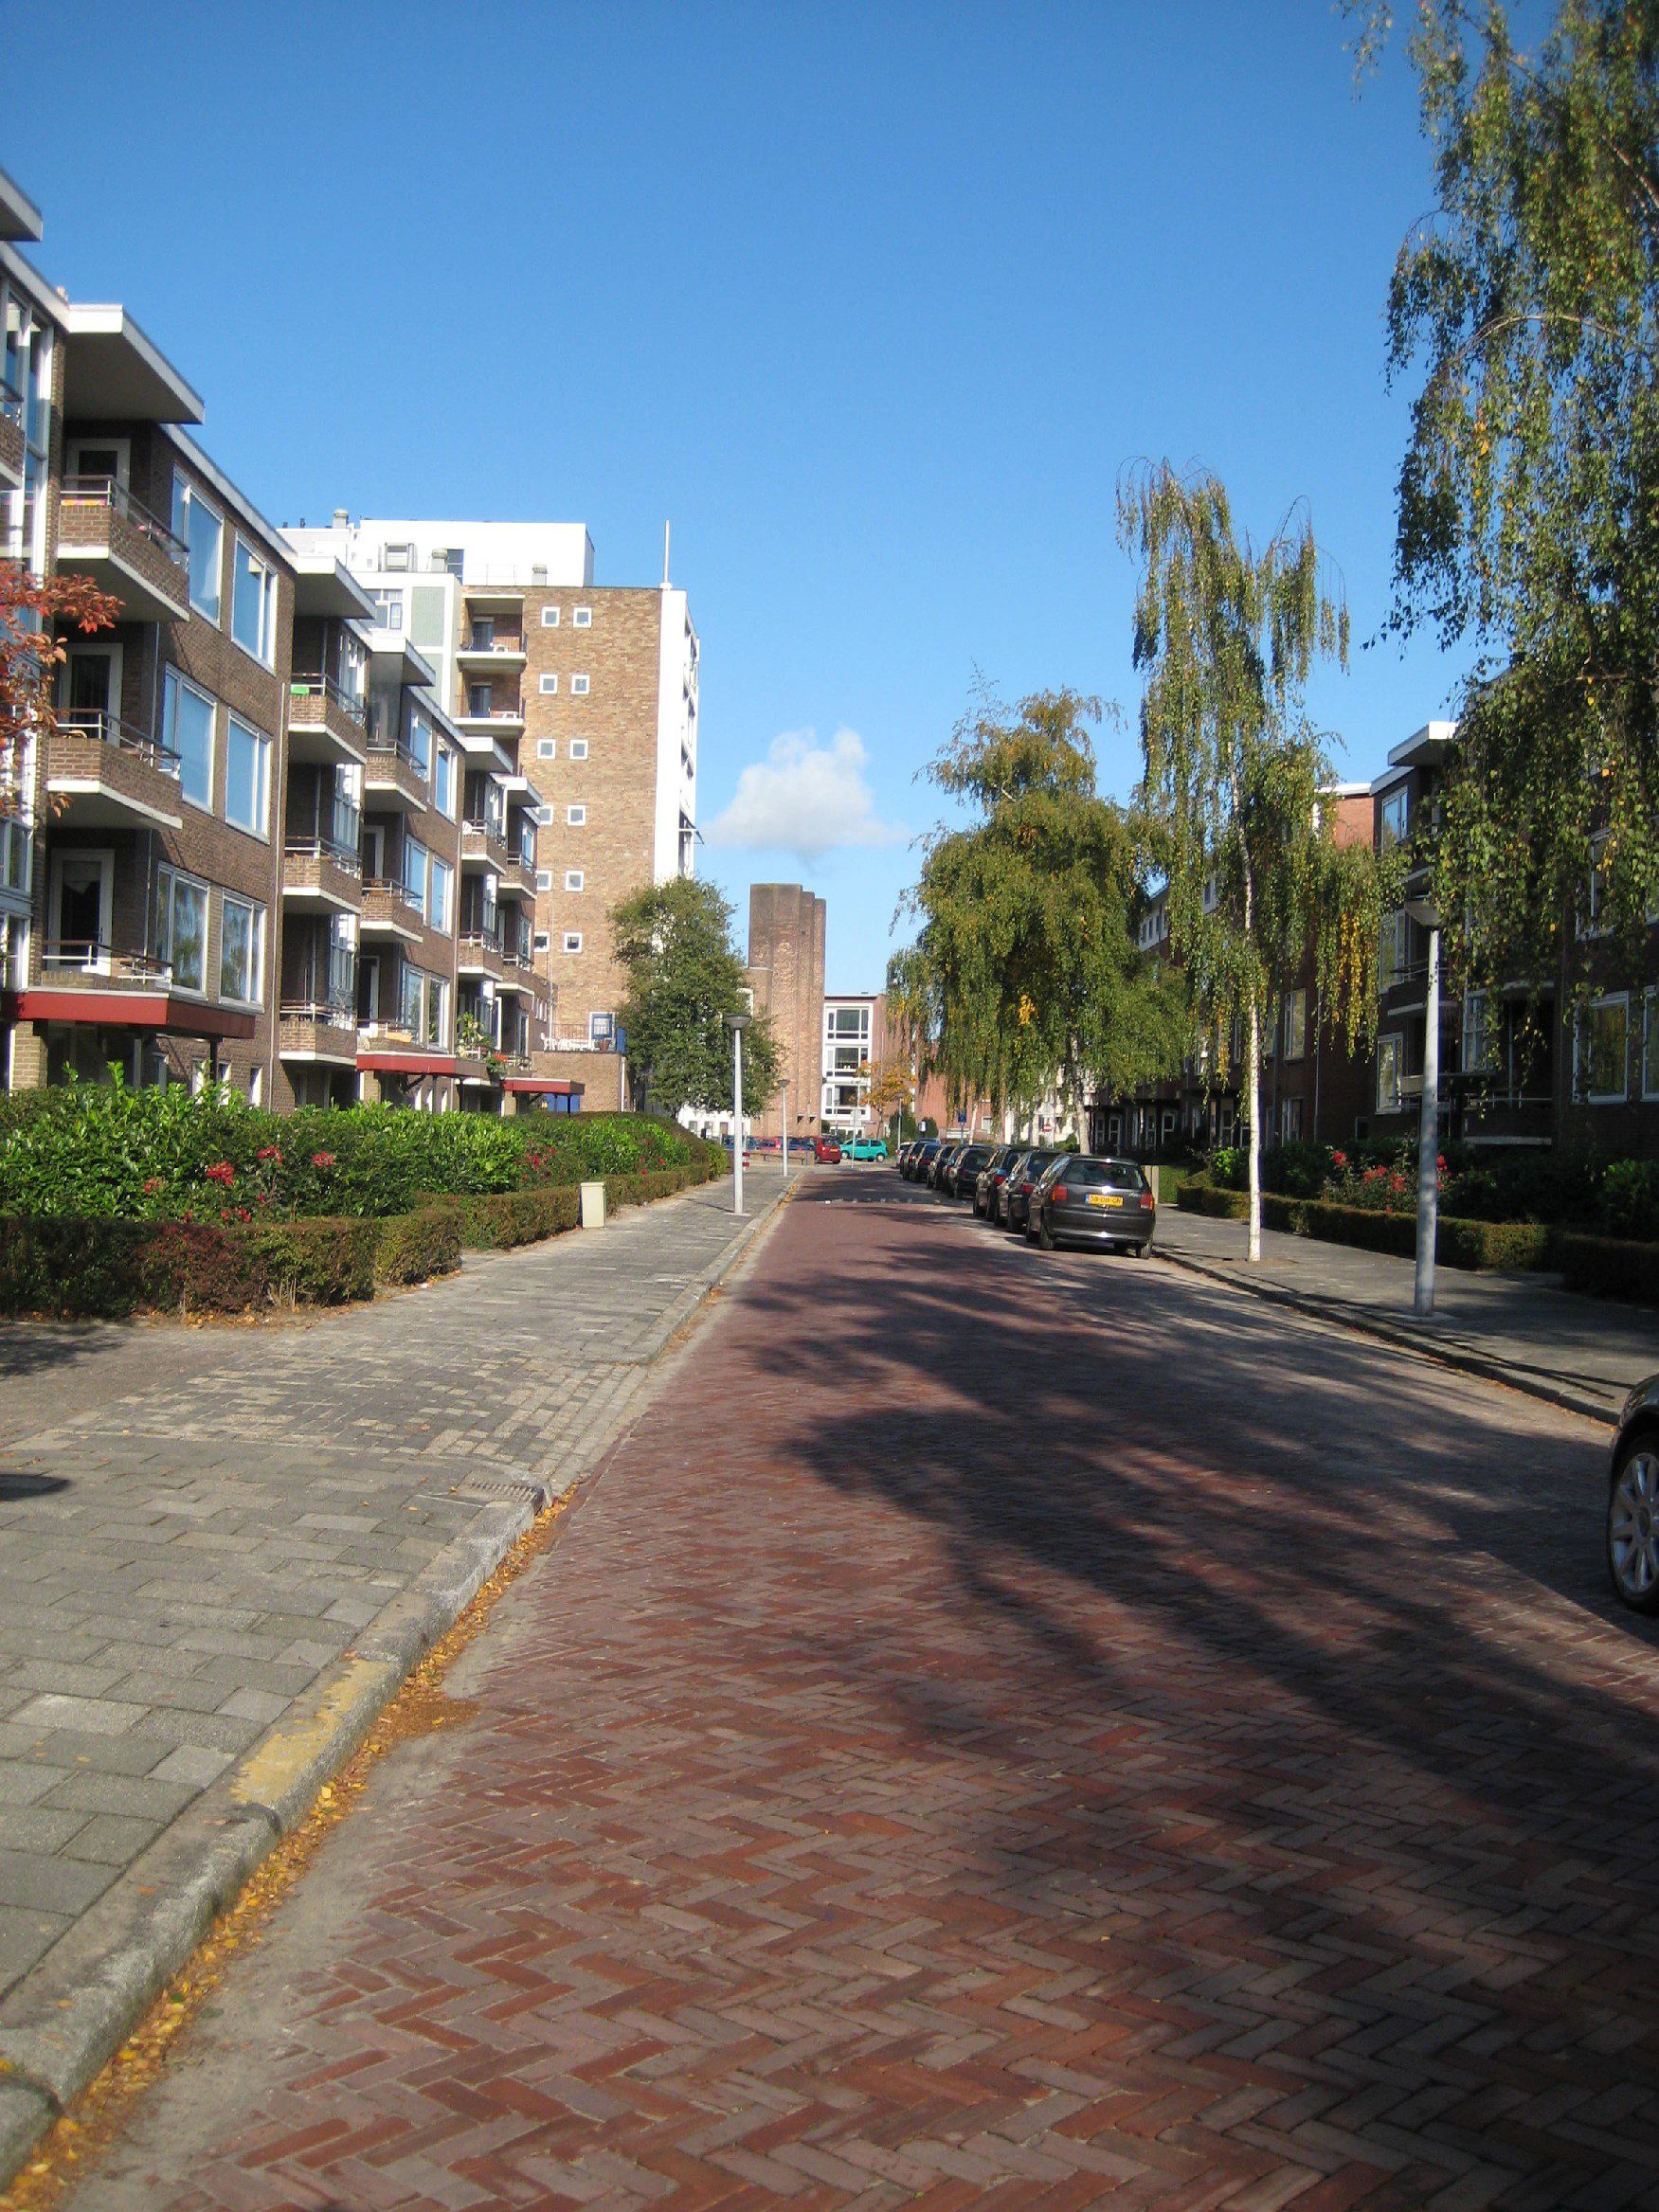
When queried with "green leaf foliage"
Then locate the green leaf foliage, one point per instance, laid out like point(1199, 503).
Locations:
point(1026, 976)
point(674, 944)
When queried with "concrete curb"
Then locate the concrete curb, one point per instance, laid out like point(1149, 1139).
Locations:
point(65, 2019)
point(1444, 1354)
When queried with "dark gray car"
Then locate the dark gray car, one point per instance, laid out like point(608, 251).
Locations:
point(1633, 1500)
point(1087, 1199)
point(1015, 1196)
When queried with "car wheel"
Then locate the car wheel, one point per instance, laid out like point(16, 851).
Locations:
point(1045, 1235)
point(1632, 1525)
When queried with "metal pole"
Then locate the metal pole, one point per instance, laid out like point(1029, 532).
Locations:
point(737, 1121)
point(1428, 1138)
point(784, 1124)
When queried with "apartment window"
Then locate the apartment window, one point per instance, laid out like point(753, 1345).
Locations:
point(1477, 1033)
point(544, 879)
point(1390, 1070)
point(1651, 1042)
point(540, 941)
point(576, 815)
point(578, 748)
point(582, 618)
point(1393, 819)
point(1602, 1051)
point(388, 609)
point(1290, 1120)
point(444, 781)
point(572, 940)
point(181, 929)
point(548, 684)
point(203, 532)
point(1295, 1025)
point(187, 717)
point(241, 951)
point(480, 701)
point(579, 686)
point(398, 557)
point(415, 858)
point(575, 879)
point(546, 749)
point(438, 894)
point(454, 559)
point(1391, 951)
point(253, 604)
point(601, 1029)
point(549, 617)
point(247, 777)
point(419, 742)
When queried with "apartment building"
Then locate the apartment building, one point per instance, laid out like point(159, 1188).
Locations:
point(253, 848)
point(854, 1045)
point(787, 933)
point(576, 706)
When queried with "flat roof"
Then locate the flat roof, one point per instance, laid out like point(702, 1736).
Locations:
point(114, 373)
point(19, 216)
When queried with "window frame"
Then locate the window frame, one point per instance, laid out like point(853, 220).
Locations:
point(549, 617)
point(1390, 1048)
point(260, 566)
point(446, 769)
point(576, 816)
point(579, 687)
point(255, 948)
point(570, 941)
point(578, 748)
point(580, 617)
point(1581, 1069)
point(168, 882)
point(173, 683)
point(546, 686)
point(264, 752)
point(186, 496)
point(575, 879)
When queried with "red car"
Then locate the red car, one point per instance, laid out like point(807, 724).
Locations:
point(826, 1151)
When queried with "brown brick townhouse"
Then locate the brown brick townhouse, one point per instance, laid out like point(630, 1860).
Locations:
point(254, 848)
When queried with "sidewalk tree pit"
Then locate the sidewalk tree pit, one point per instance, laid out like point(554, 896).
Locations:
point(114, 1199)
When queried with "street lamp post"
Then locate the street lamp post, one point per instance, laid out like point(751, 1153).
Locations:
point(737, 1023)
point(1427, 915)
point(784, 1124)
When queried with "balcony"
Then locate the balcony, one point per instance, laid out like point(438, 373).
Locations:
point(506, 652)
point(318, 1030)
point(393, 781)
point(483, 844)
point(478, 953)
point(389, 911)
point(500, 723)
point(326, 723)
point(105, 533)
point(516, 879)
point(321, 876)
point(69, 963)
point(106, 775)
point(11, 436)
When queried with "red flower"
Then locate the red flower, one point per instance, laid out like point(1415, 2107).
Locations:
point(224, 1213)
point(1340, 1161)
point(242, 1214)
point(263, 1198)
point(1397, 1184)
point(323, 1160)
point(1440, 1162)
point(270, 1151)
point(152, 1184)
point(222, 1172)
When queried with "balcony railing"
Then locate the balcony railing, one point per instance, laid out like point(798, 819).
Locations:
point(474, 712)
point(485, 935)
point(105, 492)
point(329, 688)
point(344, 856)
point(333, 1013)
point(67, 958)
point(10, 403)
point(110, 731)
point(388, 886)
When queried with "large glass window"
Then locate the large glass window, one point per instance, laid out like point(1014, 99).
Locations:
point(253, 604)
point(203, 533)
point(181, 929)
point(247, 777)
point(1390, 1069)
point(444, 781)
point(438, 896)
point(242, 940)
point(1393, 819)
point(1650, 1043)
point(1295, 1024)
point(1604, 1045)
point(188, 730)
point(415, 858)
point(1391, 951)
point(419, 741)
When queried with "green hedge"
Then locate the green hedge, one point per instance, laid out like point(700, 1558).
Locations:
point(414, 1247)
point(92, 1267)
point(1605, 1267)
point(1515, 1247)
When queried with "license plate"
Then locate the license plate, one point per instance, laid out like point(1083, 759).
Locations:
point(1102, 1199)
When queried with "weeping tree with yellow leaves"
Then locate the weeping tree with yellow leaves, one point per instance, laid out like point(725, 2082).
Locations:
point(1026, 976)
point(1232, 773)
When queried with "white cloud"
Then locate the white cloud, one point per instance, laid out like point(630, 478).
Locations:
point(805, 798)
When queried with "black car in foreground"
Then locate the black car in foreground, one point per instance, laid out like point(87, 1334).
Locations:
point(1633, 1500)
point(1014, 1199)
point(958, 1179)
point(1084, 1198)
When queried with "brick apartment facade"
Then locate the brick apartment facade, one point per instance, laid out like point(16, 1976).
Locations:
point(786, 934)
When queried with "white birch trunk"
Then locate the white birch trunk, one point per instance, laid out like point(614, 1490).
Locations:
point(1253, 1081)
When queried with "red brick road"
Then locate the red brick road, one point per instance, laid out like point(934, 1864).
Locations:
point(1004, 1731)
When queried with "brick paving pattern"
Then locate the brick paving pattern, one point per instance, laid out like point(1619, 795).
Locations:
point(180, 1562)
point(1006, 1732)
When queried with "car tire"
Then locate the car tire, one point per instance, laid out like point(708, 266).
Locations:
point(1633, 1524)
point(1045, 1235)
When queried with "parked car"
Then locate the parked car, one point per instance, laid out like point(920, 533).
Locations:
point(940, 1163)
point(867, 1148)
point(1084, 1198)
point(1022, 1180)
point(964, 1172)
point(1632, 1502)
point(922, 1157)
point(826, 1151)
point(994, 1169)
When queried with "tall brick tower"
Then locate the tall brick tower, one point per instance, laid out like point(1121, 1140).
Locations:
point(785, 972)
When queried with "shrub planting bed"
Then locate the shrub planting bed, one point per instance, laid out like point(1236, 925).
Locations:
point(1513, 1247)
point(112, 1199)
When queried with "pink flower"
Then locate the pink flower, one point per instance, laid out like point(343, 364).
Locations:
point(222, 1172)
point(323, 1160)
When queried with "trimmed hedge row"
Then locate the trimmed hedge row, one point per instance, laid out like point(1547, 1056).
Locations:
point(1607, 1266)
point(1483, 1246)
point(499, 1220)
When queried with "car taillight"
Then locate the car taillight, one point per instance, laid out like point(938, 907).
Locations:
point(1059, 1194)
point(1147, 1201)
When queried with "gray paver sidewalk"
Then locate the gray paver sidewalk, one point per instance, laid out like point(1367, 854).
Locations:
point(1526, 1330)
point(181, 1563)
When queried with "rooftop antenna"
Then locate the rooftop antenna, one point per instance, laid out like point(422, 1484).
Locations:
point(665, 556)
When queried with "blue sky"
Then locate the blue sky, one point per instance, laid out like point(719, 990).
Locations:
point(873, 301)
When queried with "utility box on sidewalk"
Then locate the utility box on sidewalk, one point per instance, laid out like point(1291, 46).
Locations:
point(1152, 1179)
point(594, 1205)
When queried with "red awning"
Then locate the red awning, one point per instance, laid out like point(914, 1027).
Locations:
point(549, 1085)
point(407, 1064)
point(130, 1010)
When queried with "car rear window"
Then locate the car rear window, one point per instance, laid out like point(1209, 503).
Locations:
point(976, 1156)
point(1118, 1175)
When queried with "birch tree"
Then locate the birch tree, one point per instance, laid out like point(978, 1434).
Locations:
point(1226, 634)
